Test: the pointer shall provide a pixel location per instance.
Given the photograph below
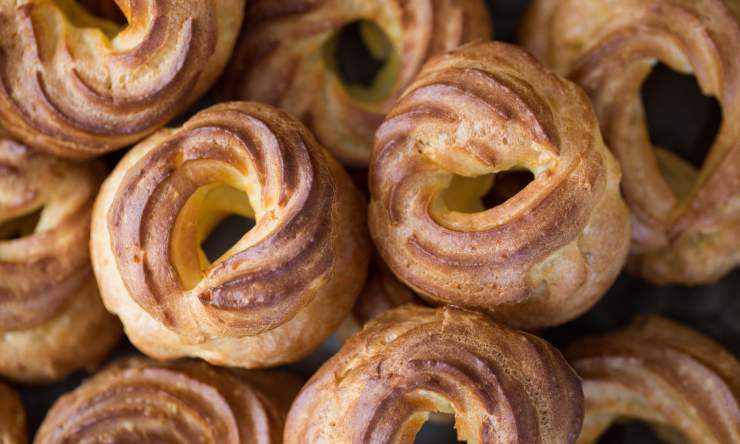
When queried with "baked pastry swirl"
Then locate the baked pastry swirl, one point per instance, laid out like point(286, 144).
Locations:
point(136, 400)
point(501, 384)
point(280, 290)
point(681, 382)
point(685, 223)
point(52, 321)
point(287, 56)
point(542, 257)
point(78, 86)
point(12, 417)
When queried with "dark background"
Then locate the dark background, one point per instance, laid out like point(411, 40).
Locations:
point(680, 119)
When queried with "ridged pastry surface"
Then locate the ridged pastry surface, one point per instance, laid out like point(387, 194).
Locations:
point(502, 385)
point(286, 56)
point(685, 222)
point(78, 86)
point(12, 417)
point(136, 400)
point(281, 289)
point(657, 371)
point(45, 211)
point(42, 263)
point(543, 256)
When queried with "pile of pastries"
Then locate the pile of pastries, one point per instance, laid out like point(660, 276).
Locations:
point(437, 295)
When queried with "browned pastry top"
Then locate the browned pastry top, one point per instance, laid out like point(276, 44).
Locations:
point(78, 86)
point(45, 208)
point(12, 417)
point(543, 256)
point(140, 401)
point(681, 382)
point(286, 56)
point(301, 203)
point(501, 384)
point(686, 223)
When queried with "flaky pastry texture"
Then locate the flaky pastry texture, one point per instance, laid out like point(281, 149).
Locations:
point(679, 381)
point(542, 257)
point(78, 86)
point(502, 385)
point(52, 321)
point(685, 222)
point(287, 55)
point(280, 290)
point(142, 401)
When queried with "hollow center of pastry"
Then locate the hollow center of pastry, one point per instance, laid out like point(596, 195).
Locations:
point(433, 420)
point(439, 428)
point(211, 225)
point(682, 123)
point(476, 194)
point(21, 226)
point(225, 235)
point(364, 59)
point(105, 9)
point(639, 432)
point(105, 15)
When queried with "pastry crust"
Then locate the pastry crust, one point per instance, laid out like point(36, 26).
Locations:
point(52, 321)
point(542, 257)
point(681, 382)
point(286, 56)
point(685, 223)
point(12, 417)
point(78, 86)
point(501, 384)
point(276, 294)
point(137, 400)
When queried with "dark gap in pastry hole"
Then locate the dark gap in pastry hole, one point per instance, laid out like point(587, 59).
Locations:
point(21, 226)
point(439, 428)
point(225, 235)
point(680, 118)
point(507, 185)
point(635, 432)
point(111, 159)
point(104, 9)
point(363, 57)
point(481, 193)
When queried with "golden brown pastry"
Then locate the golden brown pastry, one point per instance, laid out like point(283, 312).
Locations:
point(137, 400)
point(685, 223)
point(682, 383)
point(542, 257)
point(12, 417)
point(287, 56)
point(502, 385)
point(52, 321)
point(382, 292)
point(280, 290)
point(77, 86)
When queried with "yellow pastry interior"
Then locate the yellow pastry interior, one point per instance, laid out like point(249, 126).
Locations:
point(380, 47)
point(479, 193)
point(79, 17)
point(203, 211)
point(21, 226)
